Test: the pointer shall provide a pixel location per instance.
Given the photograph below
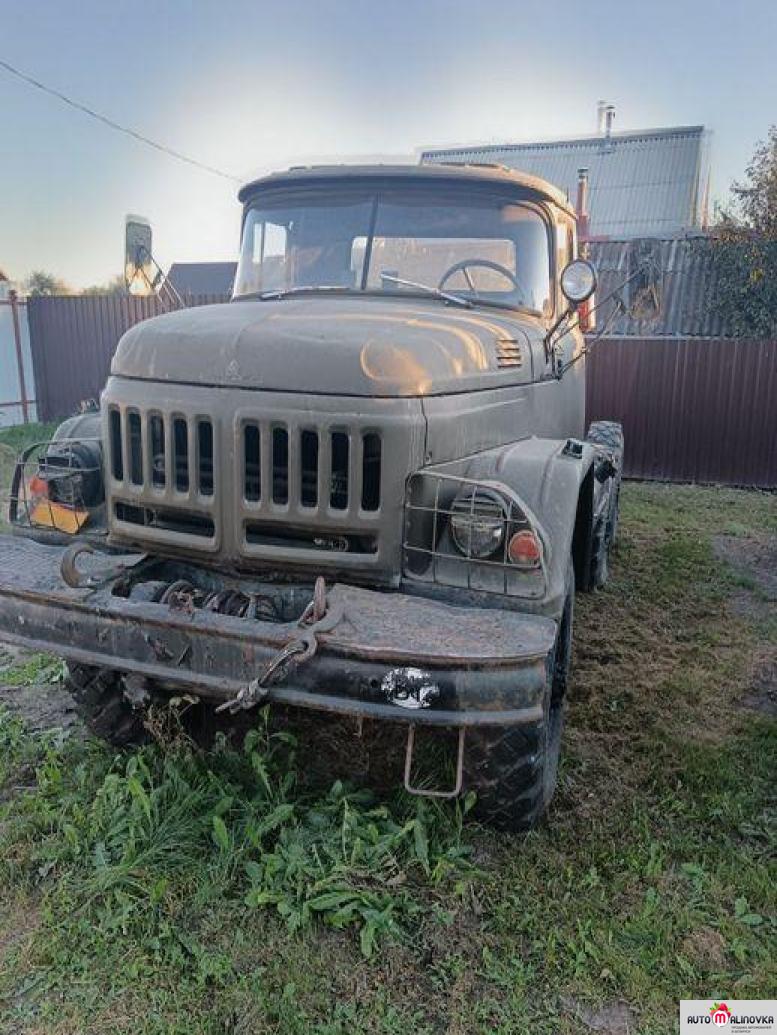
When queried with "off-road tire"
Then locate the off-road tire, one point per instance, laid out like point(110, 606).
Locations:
point(513, 769)
point(99, 698)
point(609, 434)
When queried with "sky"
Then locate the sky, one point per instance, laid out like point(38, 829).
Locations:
point(250, 87)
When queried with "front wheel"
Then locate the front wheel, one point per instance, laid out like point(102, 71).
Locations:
point(103, 705)
point(513, 769)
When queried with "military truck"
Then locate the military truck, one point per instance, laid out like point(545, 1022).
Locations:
point(363, 486)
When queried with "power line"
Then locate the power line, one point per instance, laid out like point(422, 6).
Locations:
point(115, 125)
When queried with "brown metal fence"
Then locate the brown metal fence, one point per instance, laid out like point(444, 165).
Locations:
point(73, 340)
point(693, 409)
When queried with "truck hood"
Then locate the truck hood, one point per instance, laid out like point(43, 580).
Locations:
point(340, 346)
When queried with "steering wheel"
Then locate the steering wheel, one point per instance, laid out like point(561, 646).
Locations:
point(488, 264)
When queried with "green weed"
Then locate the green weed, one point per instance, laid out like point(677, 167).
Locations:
point(124, 836)
point(34, 670)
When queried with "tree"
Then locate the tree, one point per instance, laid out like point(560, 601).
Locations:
point(744, 253)
point(754, 202)
point(115, 286)
point(41, 283)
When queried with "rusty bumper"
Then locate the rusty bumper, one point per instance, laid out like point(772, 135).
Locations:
point(391, 656)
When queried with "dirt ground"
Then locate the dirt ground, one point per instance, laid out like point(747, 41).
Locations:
point(42, 706)
point(754, 559)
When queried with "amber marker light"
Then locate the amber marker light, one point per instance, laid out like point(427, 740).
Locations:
point(525, 550)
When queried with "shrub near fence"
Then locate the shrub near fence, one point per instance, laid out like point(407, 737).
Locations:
point(693, 409)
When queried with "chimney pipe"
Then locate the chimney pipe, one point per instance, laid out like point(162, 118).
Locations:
point(609, 118)
point(582, 206)
point(601, 108)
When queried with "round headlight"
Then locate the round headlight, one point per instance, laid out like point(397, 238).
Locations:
point(478, 523)
point(578, 281)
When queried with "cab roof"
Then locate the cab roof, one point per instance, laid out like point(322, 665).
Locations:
point(495, 175)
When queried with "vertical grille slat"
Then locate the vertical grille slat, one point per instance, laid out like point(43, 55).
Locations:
point(338, 489)
point(371, 471)
point(324, 479)
point(265, 462)
point(168, 457)
point(252, 463)
point(308, 484)
point(280, 465)
point(157, 451)
point(181, 454)
point(135, 447)
point(117, 460)
point(355, 445)
point(125, 445)
point(205, 457)
point(191, 455)
point(295, 466)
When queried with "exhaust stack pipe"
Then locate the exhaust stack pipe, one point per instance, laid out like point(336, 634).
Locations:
point(582, 206)
point(609, 118)
point(605, 116)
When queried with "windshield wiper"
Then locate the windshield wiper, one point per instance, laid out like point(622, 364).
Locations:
point(299, 290)
point(456, 299)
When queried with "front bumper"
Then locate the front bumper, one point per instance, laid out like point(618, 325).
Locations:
point(476, 666)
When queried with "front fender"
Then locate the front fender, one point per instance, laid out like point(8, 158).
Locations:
point(547, 475)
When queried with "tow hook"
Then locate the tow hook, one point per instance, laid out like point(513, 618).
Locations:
point(77, 578)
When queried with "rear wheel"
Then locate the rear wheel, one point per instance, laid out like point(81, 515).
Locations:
point(513, 769)
point(607, 434)
point(102, 704)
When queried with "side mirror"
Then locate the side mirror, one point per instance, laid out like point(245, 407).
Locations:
point(139, 272)
point(578, 281)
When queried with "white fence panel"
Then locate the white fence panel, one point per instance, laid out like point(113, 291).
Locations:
point(11, 406)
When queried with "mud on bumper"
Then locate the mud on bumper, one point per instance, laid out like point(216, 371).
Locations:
point(474, 666)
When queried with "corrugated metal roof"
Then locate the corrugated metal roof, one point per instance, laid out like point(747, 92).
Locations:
point(644, 183)
point(202, 278)
point(672, 296)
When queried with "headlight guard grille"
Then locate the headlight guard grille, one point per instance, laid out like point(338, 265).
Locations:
point(430, 553)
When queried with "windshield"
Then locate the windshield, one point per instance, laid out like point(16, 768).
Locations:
point(480, 248)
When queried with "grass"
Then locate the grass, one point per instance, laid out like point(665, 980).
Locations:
point(223, 893)
point(33, 670)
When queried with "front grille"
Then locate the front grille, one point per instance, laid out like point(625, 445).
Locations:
point(297, 489)
point(168, 460)
point(310, 468)
point(260, 478)
point(139, 445)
